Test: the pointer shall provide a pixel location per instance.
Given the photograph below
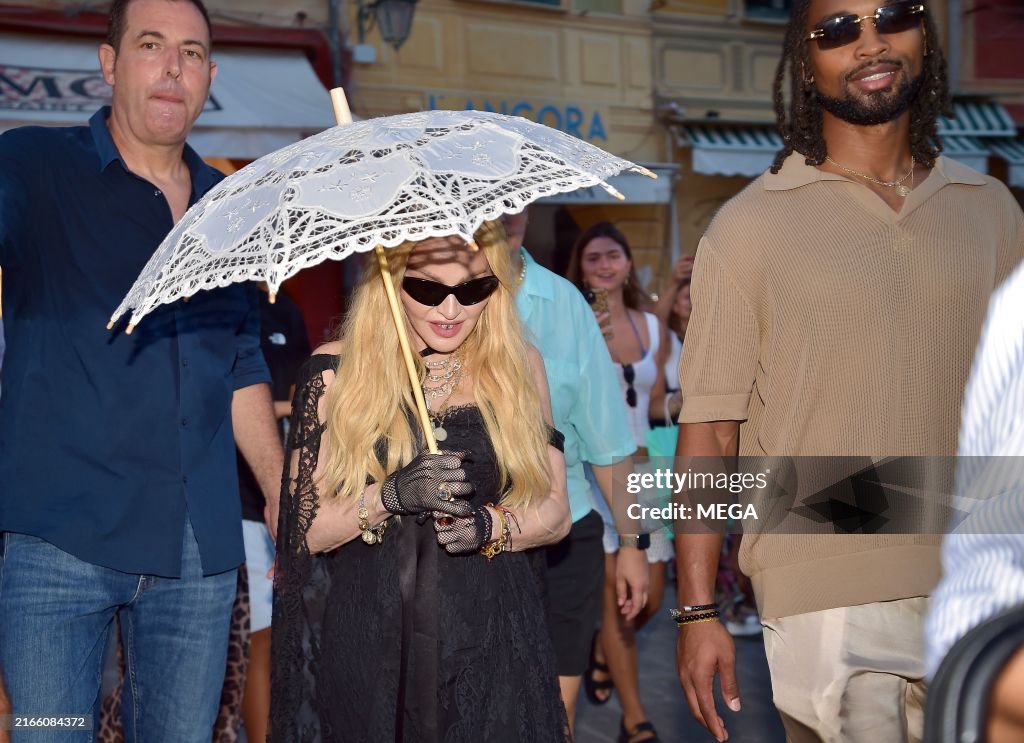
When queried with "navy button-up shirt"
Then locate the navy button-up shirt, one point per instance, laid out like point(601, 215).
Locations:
point(108, 441)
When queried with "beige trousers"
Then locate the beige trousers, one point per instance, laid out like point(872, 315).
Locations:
point(850, 675)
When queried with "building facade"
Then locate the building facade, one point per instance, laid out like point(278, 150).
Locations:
point(582, 66)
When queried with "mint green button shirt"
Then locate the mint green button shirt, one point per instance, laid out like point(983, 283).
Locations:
point(586, 403)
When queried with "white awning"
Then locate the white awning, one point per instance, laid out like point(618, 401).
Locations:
point(638, 189)
point(261, 99)
point(1012, 151)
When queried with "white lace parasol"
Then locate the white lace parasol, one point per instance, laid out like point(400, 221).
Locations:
point(377, 182)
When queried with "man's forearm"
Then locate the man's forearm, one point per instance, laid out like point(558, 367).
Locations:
point(619, 507)
point(717, 445)
point(258, 438)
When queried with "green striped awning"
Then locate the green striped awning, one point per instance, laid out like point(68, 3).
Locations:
point(978, 120)
point(732, 150)
point(970, 151)
point(749, 151)
point(750, 138)
point(1012, 151)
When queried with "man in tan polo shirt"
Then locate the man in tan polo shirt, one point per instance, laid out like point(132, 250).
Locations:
point(837, 302)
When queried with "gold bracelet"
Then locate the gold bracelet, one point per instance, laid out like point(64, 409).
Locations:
point(680, 625)
point(496, 546)
point(510, 518)
point(371, 535)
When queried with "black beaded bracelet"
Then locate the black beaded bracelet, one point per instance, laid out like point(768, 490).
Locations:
point(700, 607)
point(681, 618)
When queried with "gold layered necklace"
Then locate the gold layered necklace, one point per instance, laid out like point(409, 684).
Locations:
point(902, 190)
point(444, 377)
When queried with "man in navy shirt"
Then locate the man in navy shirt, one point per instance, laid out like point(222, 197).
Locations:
point(118, 489)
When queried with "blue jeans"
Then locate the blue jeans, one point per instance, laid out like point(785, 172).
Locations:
point(56, 612)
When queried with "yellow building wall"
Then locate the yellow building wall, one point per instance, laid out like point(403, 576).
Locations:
point(292, 14)
point(712, 8)
point(590, 75)
point(713, 67)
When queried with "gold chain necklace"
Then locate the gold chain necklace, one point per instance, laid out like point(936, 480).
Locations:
point(449, 382)
point(902, 190)
point(437, 421)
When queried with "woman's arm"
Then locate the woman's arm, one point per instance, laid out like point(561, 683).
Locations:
point(656, 406)
point(336, 521)
point(548, 520)
point(681, 272)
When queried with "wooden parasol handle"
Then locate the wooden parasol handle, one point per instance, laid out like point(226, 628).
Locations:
point(344, 116)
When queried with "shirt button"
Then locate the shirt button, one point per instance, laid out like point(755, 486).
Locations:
point(184, 421)
point(184, 479)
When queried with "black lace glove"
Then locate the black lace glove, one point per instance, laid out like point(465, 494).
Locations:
point(430, 482)
point(461, 536)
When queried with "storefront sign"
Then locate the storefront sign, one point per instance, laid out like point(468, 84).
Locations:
point(25, 88)
point(567, 117)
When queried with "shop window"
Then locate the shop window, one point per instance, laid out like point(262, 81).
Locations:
point(767, 10)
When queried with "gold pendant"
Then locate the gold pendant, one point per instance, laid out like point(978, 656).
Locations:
point(903, 191)
point(440, 434)
point(369, 537)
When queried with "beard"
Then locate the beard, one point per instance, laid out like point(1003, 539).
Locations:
point(877, 107)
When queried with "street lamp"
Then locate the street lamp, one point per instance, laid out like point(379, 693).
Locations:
point(393, 17)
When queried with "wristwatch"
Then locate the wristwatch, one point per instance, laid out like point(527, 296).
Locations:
point(640, 541)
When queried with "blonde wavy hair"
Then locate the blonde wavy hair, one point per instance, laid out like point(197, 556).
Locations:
point(367, 404)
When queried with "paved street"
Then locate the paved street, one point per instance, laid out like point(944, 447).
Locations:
point(756, 723)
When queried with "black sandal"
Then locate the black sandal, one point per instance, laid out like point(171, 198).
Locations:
point(591, 686)
point(626, 736)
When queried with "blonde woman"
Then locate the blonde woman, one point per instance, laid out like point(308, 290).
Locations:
point(406, 608)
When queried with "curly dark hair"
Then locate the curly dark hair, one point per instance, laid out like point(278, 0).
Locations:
point(801, 125)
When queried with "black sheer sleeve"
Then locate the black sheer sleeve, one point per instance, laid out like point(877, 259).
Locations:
point(556, 438)
point(300, 583)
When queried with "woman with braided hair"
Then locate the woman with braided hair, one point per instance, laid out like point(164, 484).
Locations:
point(406, 607)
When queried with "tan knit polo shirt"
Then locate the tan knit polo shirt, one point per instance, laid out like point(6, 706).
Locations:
point(831, 325)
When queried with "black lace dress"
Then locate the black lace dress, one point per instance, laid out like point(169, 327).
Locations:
point(401, 641)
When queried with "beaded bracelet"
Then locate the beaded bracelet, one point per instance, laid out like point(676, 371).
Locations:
point(700, 607)
point(681, 618)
